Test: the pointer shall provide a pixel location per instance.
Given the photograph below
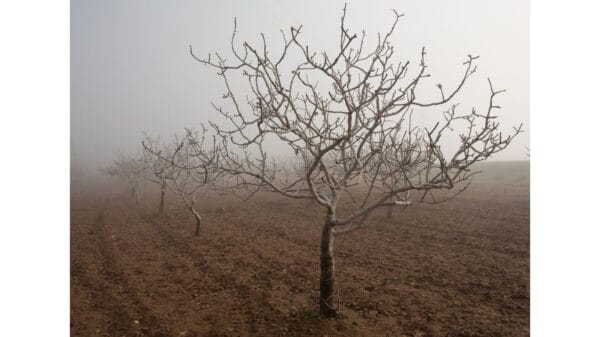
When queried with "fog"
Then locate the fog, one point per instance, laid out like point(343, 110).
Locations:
point(131, 70)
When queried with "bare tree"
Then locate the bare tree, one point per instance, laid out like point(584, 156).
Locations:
point(347, 117)
point(130, 168)
point(155, 167)
point(187, 166)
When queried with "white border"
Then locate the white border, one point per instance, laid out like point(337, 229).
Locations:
point(34, 132)
point(34, 143)
point(565, 266)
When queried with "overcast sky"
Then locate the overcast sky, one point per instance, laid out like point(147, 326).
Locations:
point(131, 70)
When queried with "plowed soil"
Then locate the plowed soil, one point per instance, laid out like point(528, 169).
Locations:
point(455, 269)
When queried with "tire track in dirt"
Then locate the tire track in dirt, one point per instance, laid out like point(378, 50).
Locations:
point(258, 310)
point(255, 234)
point(126, 298)
point(119, 320)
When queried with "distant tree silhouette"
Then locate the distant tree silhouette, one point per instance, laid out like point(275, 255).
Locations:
point(187, 166)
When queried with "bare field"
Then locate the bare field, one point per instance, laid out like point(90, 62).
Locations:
point(455, 269)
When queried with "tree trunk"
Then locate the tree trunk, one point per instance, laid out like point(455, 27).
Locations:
point(390, 210)
point(137, 196)
point(198, 219)
point(163, 188)
point(327, 306)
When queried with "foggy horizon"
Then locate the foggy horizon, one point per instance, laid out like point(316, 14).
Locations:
point(131, 71)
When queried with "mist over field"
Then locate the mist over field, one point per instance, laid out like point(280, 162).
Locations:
point(131, 69)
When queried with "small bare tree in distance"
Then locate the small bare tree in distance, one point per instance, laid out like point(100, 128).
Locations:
point(187, 166)
point(155, 166)
point(131, 169)
point(348, 118)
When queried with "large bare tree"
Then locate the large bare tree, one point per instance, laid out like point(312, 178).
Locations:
point(347, 117)
point(187, 165)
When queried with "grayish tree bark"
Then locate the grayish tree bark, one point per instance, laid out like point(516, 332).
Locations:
point(327, 307)
point(163, 190)
point(198, 219)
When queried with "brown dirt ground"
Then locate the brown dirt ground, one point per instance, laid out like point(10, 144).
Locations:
point(456, 269)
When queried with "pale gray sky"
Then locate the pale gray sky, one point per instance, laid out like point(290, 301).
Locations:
point(131, 70)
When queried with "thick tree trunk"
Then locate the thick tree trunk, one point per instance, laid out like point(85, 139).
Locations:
point(163, 189)
point(198, 220)
point(327, 305)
